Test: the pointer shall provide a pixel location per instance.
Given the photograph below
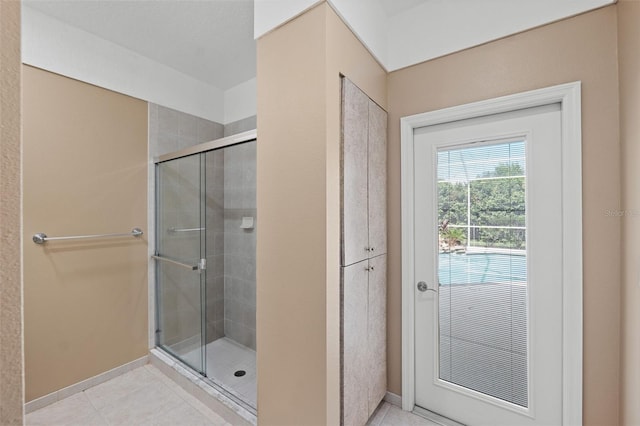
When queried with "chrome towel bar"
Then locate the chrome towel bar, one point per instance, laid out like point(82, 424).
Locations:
point(42, 238)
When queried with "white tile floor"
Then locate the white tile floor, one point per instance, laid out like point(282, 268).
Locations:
point(143, 396)
point(146, 397)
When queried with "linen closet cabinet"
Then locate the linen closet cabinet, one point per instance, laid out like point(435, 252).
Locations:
point(363, 257)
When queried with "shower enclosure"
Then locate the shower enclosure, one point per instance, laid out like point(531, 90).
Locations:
point(205, 262)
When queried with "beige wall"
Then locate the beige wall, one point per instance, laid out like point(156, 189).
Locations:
point(296, 297)
point(629, 72)
point(11, 381)
point(346, 56)
point(85, 172)
point(298, 255)
point(581, 48)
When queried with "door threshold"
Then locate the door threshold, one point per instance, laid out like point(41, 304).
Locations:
point(436, 418)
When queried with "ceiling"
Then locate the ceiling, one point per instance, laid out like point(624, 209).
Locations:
point(395, 7)
point(211, 40)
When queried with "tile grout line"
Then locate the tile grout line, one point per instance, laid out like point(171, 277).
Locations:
point(198, 406)
point(116, 402)
point(173, 392)
point(106, 421)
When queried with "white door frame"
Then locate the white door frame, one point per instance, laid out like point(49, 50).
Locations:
point(568, 95)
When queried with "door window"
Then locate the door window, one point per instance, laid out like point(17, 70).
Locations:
point(482, 269)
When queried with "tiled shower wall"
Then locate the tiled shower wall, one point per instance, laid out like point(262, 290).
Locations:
point(171, 130)
point(240, 243)
point(240, 126)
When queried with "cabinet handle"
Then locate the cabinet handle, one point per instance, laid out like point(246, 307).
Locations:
point(369, 248)
point(372, 249)
point(369, 268)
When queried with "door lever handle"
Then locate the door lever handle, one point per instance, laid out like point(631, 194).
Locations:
point(422, 286)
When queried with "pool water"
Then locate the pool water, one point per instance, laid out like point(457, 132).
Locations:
point(456, 269)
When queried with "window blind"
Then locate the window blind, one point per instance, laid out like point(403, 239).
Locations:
point(482, 269)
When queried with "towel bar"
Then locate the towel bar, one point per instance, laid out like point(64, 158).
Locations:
point(42, 238)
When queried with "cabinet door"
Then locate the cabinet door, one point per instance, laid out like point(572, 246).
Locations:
point(377, 331)
point(355, 113)
point(354, 348)
point(377, 187)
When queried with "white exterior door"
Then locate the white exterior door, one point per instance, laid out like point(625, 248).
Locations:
point(488, 264)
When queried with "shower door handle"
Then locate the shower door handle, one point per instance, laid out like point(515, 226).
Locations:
point(175, 262)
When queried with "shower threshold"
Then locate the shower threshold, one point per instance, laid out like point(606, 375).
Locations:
point(229, 404)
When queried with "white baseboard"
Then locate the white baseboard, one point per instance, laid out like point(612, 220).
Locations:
point(63, 393)
point(393, 399)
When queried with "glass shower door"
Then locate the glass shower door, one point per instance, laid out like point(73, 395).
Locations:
point(180, 259)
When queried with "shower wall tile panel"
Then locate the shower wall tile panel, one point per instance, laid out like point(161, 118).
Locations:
point(188, 127)
point(377, 179)
point(355, 110)
point(181, 305)
point(214, 172)
point(180, 197)
point(240, 244)
point(209, 130)
point(171, 130)
point(240, 126)
point(152, 111)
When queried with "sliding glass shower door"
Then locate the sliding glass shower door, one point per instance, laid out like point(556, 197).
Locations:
point(181, 259)
point(206, 224)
